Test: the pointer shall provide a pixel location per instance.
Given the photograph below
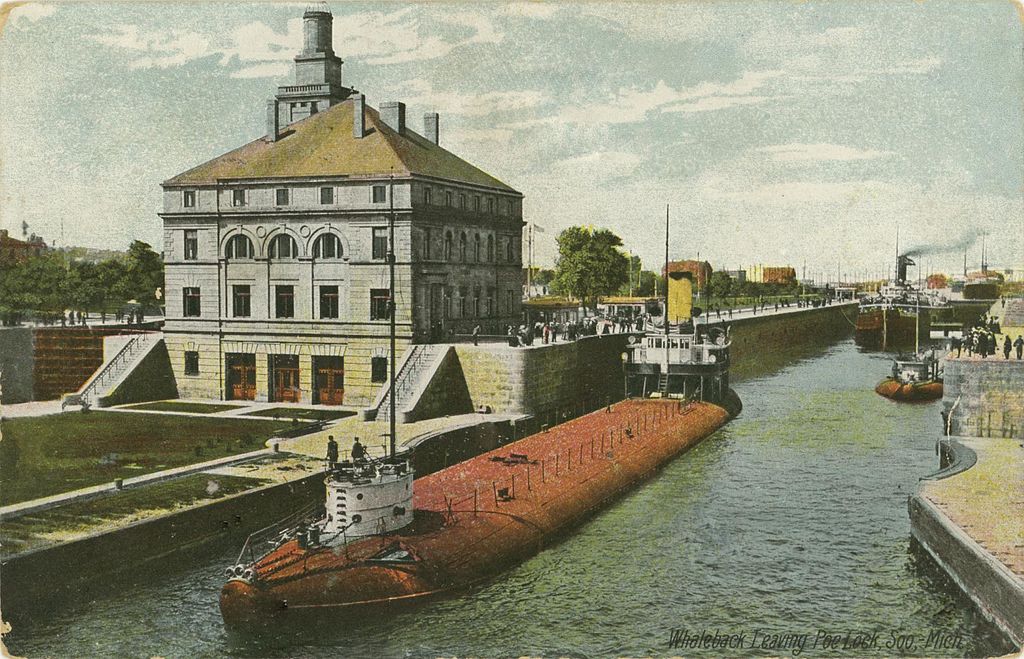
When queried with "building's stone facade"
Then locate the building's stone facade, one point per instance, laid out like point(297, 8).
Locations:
point(242, 310)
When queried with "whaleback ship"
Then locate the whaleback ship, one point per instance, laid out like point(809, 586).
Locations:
point(383, 539)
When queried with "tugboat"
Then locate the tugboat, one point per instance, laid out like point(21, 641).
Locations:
point(916, 379)
point(383, 540)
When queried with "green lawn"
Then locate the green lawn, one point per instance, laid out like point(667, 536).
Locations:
point(301, 413)
point(40, 456)
point(29, 531)
point(183, 406)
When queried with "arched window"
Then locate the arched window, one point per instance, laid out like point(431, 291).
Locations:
point(476, 248)
point(448, 246)
point(239, 247)
point(327, 246)
point(509, 251)
point(462, 247)
point(282, 246)
point(490, 249)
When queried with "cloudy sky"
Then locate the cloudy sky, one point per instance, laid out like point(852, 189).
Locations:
point(779, 133)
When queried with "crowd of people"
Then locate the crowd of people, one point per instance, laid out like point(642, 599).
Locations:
point(553, 331)
point(982, 340)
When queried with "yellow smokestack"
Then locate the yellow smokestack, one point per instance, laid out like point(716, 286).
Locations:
point(680, 297)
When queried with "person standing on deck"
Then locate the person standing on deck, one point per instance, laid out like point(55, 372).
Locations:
point(332, 452)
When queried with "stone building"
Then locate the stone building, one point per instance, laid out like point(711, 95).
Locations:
point(275, 253)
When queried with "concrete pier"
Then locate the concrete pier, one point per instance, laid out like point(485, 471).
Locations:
point(970, 515)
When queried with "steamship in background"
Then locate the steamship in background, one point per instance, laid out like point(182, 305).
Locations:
point(899, 314)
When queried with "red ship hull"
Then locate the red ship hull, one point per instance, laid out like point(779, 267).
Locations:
point(465, 531)
point(909, 392)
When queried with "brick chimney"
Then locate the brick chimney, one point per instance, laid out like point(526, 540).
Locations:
point(358, 116)
point(273, 125)
point(431, 121)
point(392, 113)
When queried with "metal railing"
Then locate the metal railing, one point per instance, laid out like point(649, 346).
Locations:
point(404, 379)
point(277, 528)
point(109, 371)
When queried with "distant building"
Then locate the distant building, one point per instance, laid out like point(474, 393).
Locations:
point(739, 276)
point(12, 249)
point(937, 281)
point(768, 274)
point(701, 271)
point(276, 253)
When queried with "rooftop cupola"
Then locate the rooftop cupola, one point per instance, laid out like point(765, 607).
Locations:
point(316, 30)
point(317, 72)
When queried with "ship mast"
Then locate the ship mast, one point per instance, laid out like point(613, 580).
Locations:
point(666, 286)
point(391, 304)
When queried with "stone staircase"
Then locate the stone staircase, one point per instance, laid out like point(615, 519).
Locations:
point(420, 362)
point(110, 374)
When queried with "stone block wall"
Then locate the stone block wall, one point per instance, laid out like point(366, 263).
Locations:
point(543, 380)
point(984, 397)
point(17, 379)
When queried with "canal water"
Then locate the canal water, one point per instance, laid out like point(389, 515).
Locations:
point(789, 523)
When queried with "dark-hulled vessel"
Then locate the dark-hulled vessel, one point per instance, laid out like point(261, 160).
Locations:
point(898, 314)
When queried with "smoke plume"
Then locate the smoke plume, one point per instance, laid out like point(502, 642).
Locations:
point(959, 244)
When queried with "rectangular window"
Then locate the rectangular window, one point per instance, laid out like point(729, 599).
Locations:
point(241, 301)
point(190, 302)
point(328, 301)
point(378, 369)
point(428, 237)
point(476, 203)
point(326, 195)
point(380, 194)
point(448, 198)
point(427, 196)
point(284, 301)
point(191, 362)
point(380, 243)
point(510, 300)
point(191, 244)
point(281, 194)
point(189, 198)
point(238, 197)
point(490, 205)
point(379, 304)
point(462, 201)
point(490, 302)
point(463, 294)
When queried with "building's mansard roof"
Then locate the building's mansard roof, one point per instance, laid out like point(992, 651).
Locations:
point(323, 145)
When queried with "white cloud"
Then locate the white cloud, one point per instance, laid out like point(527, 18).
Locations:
point(597, 166)
point(256, 42)
point(156, 49)
point(820, 152)
point(263, 70)
point(31, 13)
point(536, 10)
point(489, 137)
point(421, 93)
point(398, 37)
point(631, 105)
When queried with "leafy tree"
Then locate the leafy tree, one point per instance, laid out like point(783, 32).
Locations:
point(590, 264)
point(143, 274)
point(719, 285)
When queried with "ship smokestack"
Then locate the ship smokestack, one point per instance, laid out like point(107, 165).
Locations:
point(901, 267)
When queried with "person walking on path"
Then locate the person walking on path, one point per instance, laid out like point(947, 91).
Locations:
point(476, 334)
point(1019, 345)
point(1007, 345)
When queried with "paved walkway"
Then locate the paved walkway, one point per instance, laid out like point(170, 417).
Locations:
point(987, 500)
point(373, 434)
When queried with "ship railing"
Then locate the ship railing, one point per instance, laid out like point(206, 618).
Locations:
point(273, 530)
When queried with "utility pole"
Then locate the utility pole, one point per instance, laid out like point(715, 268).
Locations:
point(391, 303)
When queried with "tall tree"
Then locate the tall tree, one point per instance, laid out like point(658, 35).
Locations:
point(590, 264)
